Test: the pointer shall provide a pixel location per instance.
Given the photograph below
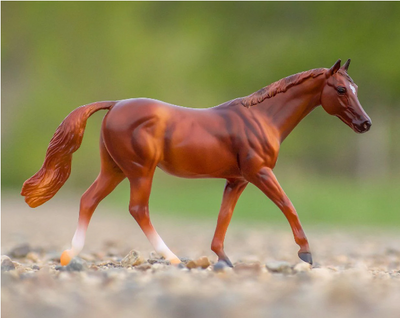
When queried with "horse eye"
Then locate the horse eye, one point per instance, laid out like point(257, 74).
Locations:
point(341, 90)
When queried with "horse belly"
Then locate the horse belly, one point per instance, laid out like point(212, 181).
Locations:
point(200, 156)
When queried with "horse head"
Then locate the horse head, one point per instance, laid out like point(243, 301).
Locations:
point(339, 98)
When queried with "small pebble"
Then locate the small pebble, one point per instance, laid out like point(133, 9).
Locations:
point(155, 255)
point(6, 264)
point(143, 267)
point(132, 259)
point(159, 261)
point(279, 267)
point(248, 268)
point(185, 260)
point(321, 273)
point(302, 267)
point(220, 266)
point(203, 262)
point(76, 265)
point(20, 250)
point(110, 264)
point(158, 266)
point(182, 267)
point(18, 265)
point(34, 257)
point(191, 264)
point(4, 257)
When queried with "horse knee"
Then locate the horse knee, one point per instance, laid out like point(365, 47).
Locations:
point(88, 203)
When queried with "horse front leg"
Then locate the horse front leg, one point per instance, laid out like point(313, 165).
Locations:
point(233, 189)
point(266, 181)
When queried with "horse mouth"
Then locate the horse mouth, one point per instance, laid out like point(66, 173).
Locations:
point(358, 128)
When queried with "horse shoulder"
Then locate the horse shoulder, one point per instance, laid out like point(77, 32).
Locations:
point(259, 145)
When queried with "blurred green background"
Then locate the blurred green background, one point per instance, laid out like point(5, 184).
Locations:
point(57, 56)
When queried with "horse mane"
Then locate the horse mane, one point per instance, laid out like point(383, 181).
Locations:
point(280, 86)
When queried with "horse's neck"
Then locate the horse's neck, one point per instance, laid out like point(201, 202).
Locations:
point(286, 110)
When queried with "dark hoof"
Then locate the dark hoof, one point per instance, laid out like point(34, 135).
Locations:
point(306, 257)
point(226, 260)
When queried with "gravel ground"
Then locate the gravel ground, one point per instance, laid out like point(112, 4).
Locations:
point(356, 273)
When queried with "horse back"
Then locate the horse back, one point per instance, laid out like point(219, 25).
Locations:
point(212, 142)
point(183, 141)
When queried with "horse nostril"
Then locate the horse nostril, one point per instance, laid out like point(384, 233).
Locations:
point(367, 125)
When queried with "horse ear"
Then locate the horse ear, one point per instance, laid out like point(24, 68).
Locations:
point(346, 65)
point(334, 68)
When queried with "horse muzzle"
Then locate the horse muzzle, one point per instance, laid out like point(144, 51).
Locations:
point(363, 127)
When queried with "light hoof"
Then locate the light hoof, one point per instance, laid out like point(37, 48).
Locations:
point(65, 257)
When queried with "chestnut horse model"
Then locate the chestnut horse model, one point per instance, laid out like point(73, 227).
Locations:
point(238, 141)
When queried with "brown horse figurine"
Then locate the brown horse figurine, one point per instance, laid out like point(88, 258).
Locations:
point(238, 140)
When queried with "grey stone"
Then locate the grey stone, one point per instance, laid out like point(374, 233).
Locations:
point(76, 265)
point(158, 260)
point(20, 250)
point(279, 267)
point(132, 259)
point(7, 264)
point(220, 266)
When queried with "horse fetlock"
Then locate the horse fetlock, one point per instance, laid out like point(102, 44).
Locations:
point(301, 240)
point(217, 248)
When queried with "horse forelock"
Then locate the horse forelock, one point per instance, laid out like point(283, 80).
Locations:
point(280, 86)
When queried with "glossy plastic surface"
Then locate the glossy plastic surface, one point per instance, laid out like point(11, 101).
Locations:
point(238, 141)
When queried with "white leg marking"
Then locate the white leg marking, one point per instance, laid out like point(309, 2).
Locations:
point(161, 248)
point(78, 241)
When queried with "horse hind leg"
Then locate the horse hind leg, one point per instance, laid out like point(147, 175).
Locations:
point(137, 152)
point(109, 177)
point(140, 183)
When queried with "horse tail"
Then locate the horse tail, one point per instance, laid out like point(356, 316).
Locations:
point(57, 164)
